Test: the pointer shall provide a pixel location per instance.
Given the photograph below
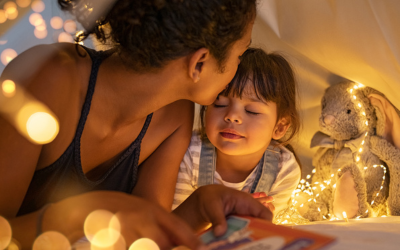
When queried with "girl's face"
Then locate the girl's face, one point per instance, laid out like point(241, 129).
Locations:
point(242, 126)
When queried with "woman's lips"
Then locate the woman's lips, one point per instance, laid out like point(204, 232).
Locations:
point(228, 134)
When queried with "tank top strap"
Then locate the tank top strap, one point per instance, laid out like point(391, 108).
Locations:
point(97, 58)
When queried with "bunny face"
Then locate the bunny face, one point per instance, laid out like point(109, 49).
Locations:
point(346, 115)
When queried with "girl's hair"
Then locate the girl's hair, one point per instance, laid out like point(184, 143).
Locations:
point(148, 34)
point(273, 80)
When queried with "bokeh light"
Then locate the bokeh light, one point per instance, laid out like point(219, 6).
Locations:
point(14, 245)
point(7, 56)
point(40, 32)
point(51, 240)
point(56, 22)
point(144, 244)
point(2, 42)
point(38, 6)
point(41, 27)
point(120, 244)
point(5, 233)
point(10, 7)
point(23, 3)
point(13, 15)
point(8, 89)
point(102, 228)
point(3, 16)
point(42, 127)
point(70, 26)
point(64, 37)
point(36, 19)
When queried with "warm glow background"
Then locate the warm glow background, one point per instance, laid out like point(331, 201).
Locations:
point(326, 41)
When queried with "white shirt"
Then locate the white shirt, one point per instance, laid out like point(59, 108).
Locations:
point(286, 181)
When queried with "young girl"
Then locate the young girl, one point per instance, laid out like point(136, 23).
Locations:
point(241, 142)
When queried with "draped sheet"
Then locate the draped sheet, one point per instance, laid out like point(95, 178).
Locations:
point(327, 41)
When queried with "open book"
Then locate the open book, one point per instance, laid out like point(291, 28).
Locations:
point(246, 233)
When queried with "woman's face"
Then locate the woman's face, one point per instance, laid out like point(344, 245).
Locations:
point(211, 83)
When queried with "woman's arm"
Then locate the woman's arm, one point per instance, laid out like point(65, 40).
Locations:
point(158, 173)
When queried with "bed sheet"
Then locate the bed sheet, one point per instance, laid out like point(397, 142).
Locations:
point(381, 233)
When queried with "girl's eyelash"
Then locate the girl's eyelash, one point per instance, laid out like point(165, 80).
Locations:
point(252, 113)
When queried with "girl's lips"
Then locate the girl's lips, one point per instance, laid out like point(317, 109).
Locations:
point(230, 135)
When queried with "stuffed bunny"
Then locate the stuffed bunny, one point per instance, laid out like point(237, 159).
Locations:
point(351, 176)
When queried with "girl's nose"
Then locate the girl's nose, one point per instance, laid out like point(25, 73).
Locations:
point(232, 116)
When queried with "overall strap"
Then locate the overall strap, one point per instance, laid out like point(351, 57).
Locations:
point(207, 164)
point(266, 175)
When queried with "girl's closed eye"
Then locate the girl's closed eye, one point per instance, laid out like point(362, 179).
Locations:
point(252, 112)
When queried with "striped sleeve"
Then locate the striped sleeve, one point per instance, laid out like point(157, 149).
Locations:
point(188, 172)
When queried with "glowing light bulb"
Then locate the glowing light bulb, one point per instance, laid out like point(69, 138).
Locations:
point(42, 127)
point(148, 244)
point(351, 91)
point(354, 97)
point(345, 216)
point(359, 105)
point(366, 123)
point(8, 88)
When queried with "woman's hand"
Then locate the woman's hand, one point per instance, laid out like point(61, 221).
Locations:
point(138, 219)
point(265, 200)
point(212, 203)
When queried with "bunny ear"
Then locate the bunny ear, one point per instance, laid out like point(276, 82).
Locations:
point(388, 119)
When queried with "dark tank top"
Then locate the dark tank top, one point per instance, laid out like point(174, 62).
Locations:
point(65, 177)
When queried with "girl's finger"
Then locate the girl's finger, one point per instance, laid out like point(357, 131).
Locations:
point(267, 199)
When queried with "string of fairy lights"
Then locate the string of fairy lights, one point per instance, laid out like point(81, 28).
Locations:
point(291, 215)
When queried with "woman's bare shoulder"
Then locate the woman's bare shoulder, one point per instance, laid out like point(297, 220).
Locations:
point(50, 72)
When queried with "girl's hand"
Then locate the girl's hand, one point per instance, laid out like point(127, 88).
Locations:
point(265, 200)
point(212, 203)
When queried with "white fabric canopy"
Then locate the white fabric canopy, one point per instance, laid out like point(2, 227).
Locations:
point(328, 41)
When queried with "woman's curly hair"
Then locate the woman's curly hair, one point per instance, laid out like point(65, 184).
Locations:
point(148, 34)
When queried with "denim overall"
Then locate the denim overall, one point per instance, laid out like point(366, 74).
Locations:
point(265, 175)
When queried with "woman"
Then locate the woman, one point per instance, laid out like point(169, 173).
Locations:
point(125, 122)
